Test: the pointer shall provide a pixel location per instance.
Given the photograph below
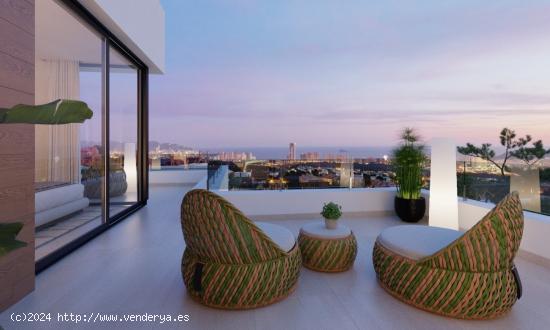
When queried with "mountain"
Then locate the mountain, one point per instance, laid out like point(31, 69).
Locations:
point(167, 146)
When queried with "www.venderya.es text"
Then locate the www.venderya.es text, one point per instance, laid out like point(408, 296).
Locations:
point(99, 317)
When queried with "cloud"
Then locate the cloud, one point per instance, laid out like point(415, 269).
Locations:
point(501, 98)
point(429, 115)
point(342, 68)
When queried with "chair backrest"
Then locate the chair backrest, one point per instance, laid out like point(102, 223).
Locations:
point(490, 245)
point(217, 231)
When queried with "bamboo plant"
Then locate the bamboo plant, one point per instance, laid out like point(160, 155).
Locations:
point(408, 161)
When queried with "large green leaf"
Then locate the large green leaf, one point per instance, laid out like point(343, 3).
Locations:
point(54, 113)
point(8, 233)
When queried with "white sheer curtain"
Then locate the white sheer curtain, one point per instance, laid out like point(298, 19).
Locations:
point(57, 146)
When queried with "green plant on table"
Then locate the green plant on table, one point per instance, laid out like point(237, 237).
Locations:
point(331, 211)
point(408, 161)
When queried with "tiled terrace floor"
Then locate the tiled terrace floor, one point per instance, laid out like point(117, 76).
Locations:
point(134, 268)
point(55, 235)
point(47, 234)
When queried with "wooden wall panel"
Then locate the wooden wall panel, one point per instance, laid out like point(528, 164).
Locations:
point(11, 97)
point(19, 13)
point(14, 202)
point(15, 139)
point(17, 146)
point(18, 45)
point(16, 74)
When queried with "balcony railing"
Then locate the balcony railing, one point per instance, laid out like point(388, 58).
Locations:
point(479, 181)
point(300, 174)
point(485, 182)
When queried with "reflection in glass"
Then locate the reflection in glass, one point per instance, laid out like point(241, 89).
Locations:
point(123, 121)
point(68, 158)
point(482, 181)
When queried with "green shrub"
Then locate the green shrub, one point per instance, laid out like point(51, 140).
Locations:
point(331, 211)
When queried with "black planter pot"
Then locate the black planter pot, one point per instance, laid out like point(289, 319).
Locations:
point(410, 210)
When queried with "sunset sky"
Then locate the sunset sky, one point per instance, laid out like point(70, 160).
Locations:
point(351, 73)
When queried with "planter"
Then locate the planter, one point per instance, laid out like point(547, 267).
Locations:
point(410, 210)
point(331, 223)
point(117, 185)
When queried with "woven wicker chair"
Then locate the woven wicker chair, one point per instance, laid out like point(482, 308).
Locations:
point(228, 261)
point(473, 277)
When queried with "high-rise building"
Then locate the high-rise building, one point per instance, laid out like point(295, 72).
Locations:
point(292, 151)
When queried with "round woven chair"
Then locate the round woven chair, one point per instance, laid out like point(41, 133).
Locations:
point(229, 262)
point(468, 276)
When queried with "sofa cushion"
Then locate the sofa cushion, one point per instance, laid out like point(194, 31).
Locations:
point(280, 235)
point(51, 198)
point(416, 241)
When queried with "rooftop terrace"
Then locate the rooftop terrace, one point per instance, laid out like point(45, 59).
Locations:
point(134, 268)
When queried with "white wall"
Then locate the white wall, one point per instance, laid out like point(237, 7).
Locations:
point(183, 177)
point(310, 201)
point(139, 24)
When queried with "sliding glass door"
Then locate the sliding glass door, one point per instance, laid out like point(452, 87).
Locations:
point(92, 174)
point(69, 159)
point(123, 133)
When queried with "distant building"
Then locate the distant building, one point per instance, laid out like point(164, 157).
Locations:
point(242, 174)
point(312, 181)
point(339, 157)
point(311, 156)
point(235, 156)
point(292, 151)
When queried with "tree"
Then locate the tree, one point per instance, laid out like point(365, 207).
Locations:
point(512, 148)
point(530, 155)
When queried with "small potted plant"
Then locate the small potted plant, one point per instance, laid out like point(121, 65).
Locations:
point(331, 212)
point(408, 161)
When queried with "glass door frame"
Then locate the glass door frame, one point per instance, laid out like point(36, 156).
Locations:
point(142, 132)
point(110, 41)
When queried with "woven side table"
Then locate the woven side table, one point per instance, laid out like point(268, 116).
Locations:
point(327, 250)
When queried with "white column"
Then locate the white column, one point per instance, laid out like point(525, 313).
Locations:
point(443, 190)
point(130, 166)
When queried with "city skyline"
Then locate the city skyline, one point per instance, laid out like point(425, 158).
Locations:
point(265, 73)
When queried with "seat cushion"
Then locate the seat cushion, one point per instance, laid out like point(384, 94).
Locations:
point(280, 235)
point(416, 241)
point(51, 198)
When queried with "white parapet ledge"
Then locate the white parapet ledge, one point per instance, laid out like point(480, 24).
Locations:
point(177, 176)
point(310, 201)
point(374, 200)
